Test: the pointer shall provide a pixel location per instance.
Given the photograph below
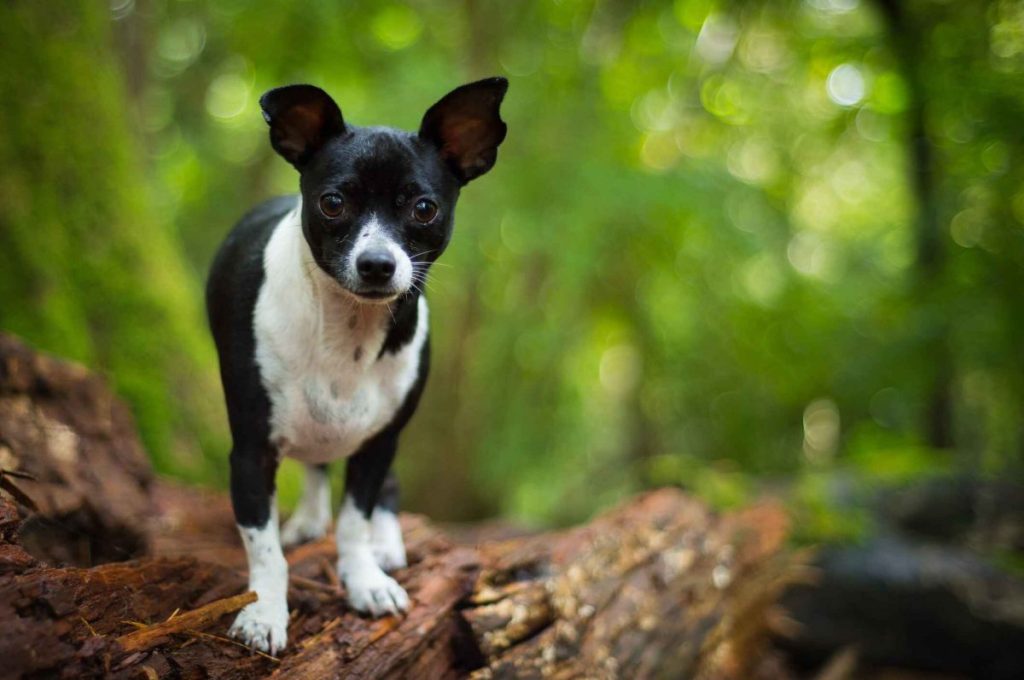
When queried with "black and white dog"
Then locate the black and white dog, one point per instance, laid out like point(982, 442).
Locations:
point(316, 307)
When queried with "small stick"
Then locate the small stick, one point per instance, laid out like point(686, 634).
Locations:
point(386, 626)
point(218, 638)
point(318, 637)
point(88, 625)
point(330, 572)
point(151, 636)
point(309, 584)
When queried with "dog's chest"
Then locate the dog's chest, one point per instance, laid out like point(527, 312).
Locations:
point(329, 392)
point(330, 387)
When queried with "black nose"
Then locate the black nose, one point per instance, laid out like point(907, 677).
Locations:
point(375, 267)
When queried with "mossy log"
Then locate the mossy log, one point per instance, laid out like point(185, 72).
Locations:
point(658, 587)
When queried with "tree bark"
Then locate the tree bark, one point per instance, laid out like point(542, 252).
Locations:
point(906, 41)
point(80, 460)
point(660, 586)
point(656, 587)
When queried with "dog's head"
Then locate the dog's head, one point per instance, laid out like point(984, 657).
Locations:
point(378, 203)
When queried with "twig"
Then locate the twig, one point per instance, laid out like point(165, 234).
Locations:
point(151, 636)
point(330, 572)
point(309, 584)
point(88, 625)
point(318, 637)
point(10, 487)
point(18, 474)
point(219, 638)
point(384, 627)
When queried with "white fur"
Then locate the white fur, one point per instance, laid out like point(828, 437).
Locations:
point(372, 235)
point(386, 539)
point(312, 517)
point(264, 623)
point(317, 349)
point(369, 589)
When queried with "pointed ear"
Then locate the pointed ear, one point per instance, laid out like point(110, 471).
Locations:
point(301, 118)
point(466, 127)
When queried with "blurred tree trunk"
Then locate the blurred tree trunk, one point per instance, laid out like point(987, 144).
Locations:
point(89, 269)
point(906, 40)
point(448, 490)
point(132, 36)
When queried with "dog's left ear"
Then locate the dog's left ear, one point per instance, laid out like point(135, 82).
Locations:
point(302, 118)
point(466, 127)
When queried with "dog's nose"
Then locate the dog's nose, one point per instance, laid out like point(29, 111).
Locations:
point(375, 267)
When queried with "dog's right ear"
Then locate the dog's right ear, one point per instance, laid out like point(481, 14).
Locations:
point(302, 118)
point(466, 127)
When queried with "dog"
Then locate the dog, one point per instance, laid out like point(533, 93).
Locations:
point(316, 306)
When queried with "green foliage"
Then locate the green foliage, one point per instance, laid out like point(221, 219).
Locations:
point(697, 260)
point(90, 271)
point(817, 515)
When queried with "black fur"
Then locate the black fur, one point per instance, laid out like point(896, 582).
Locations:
point(379, 172)
point(231, 291)
point(367, 470)
point(403, 327)
point(388, 497)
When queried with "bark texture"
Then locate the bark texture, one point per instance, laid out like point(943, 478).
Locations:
point(80, 459)
point(658, 587)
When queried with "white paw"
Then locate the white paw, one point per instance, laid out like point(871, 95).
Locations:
point(371, 591)
point(263, 625)
point(386, 540)
point(302, 528)
point(389, 556)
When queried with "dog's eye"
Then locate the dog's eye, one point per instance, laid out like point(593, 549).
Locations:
point(424, 211)
point(331, 205)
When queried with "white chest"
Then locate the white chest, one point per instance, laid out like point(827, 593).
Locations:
point(318, 351)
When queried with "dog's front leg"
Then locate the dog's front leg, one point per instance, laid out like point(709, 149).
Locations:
point(369, 589)
point(263, 624)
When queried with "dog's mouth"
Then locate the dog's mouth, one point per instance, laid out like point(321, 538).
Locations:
point(365, 291)
point(373, 296)
point(376, 295)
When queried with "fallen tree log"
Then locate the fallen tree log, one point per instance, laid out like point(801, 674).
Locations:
point(657, 587)
point(660, 586)
point(908, 605)
point(87, 472)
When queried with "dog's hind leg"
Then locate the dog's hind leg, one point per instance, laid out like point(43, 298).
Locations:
point(385, 532)
point(312, 516)
point(369, 588)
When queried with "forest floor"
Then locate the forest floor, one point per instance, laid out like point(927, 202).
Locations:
point(109, 571)
point(106, 570)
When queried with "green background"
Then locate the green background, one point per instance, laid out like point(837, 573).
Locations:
point(735, 246)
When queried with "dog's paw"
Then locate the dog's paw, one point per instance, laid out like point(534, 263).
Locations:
point(389, 556)
point(303, 528)
point(262, 625)
point(371, 591)
point(386, 541)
